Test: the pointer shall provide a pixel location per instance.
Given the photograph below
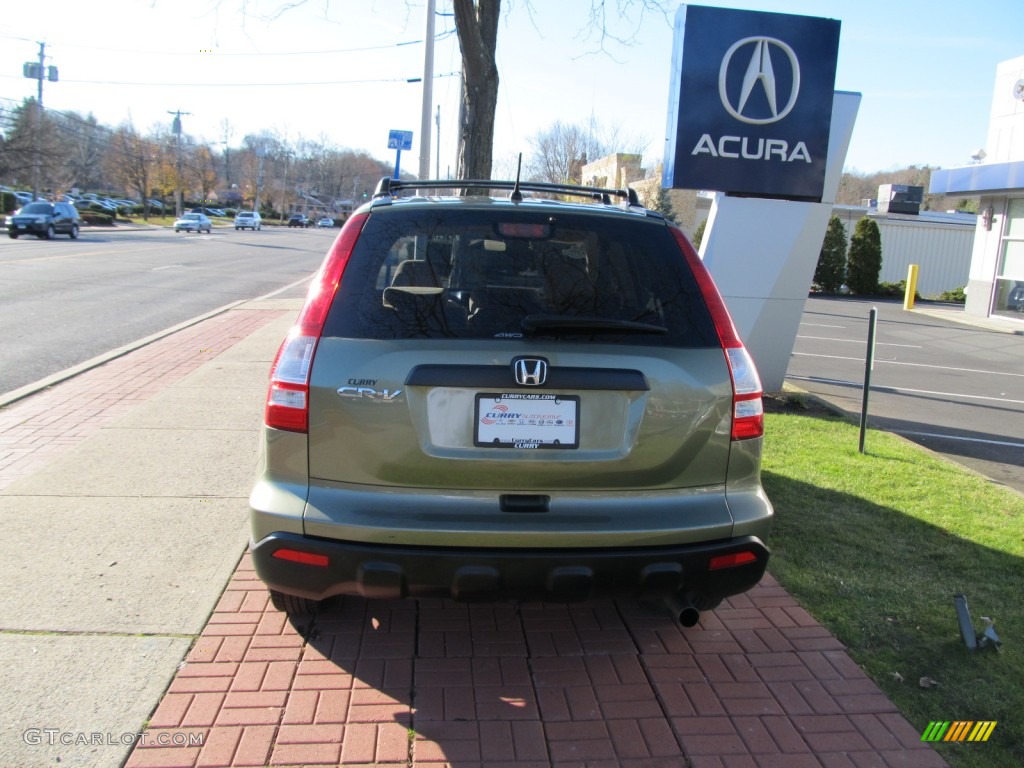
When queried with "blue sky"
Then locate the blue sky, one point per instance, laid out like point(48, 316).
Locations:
point(337, 70)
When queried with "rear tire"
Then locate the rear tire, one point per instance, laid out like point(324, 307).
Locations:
point(13, 235)
point(291, 604)
point(74, 232)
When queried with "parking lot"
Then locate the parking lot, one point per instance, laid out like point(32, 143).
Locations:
point(951, 383)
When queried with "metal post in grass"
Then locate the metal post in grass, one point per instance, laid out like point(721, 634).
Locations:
point(869, 365)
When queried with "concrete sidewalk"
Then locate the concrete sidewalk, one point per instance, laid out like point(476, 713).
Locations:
point(123, 492)
point(130, 608)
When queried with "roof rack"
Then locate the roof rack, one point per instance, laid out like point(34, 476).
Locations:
point(388, 186)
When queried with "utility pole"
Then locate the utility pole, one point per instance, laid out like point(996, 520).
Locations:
point(261, 152)
point(179, 192)
point(437, 174)
point(36, 159)
point(36, 71)
point(428, 93)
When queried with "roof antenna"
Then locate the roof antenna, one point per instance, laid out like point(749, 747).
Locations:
point(517, 195)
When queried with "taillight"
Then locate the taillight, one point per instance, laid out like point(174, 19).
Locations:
point(288, 396)
point(305, 558)
point(747, 405)
point(734, 560)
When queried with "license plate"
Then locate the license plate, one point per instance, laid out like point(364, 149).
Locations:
point(521, 420)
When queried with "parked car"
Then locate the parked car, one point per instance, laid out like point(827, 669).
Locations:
point(248, 220)
point(497, 396)
point(44, 220)
point(193, 222)
point(298, 220)
point(325, 222)
point(1015, 298)
point(209, 211)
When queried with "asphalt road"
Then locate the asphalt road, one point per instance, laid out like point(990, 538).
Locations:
point(65, 301)
point(954, 388)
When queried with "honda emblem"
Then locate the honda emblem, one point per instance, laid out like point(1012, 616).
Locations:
point(530, 371)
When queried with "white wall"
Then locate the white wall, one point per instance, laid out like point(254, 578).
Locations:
point(1006, 122)
point(941, 251)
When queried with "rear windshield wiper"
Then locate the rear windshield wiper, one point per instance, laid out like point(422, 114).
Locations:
point(537, 324)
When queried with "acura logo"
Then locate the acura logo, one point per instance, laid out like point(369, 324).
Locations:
point(760, 74)
point(530, 371)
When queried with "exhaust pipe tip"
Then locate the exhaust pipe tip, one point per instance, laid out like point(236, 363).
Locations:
point(683, 611)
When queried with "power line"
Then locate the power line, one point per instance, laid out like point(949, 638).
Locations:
point(250, 85)
point(328, 52)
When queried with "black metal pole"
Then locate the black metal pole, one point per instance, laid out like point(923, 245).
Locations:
point(869, 364)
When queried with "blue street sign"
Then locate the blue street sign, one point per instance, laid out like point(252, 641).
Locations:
point(400, 140)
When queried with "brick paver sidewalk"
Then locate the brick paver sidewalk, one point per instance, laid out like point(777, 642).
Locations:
point(437, 683)
point(432, 683)
point(33, 431)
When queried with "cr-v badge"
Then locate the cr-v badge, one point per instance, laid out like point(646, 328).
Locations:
point(367, 393)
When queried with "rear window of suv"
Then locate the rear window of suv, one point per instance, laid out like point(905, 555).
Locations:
point(471, 273)
point(38, 208)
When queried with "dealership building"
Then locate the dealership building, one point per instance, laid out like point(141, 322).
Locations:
point(996, 281)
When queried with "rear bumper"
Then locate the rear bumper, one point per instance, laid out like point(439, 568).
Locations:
point(391, 572)
point(27, 228)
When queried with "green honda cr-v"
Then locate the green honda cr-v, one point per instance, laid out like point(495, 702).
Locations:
point(511, 396)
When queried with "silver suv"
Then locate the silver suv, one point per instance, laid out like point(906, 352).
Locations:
point(514, 396)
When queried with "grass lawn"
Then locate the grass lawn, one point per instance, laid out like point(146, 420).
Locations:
point(875, 546)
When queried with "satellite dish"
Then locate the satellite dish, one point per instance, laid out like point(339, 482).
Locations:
point(1018, 90)
point(979, 156)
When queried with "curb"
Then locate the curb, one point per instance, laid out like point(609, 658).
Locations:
point(69, 373)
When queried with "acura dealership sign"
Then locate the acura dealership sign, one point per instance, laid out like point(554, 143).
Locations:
point(751, 102)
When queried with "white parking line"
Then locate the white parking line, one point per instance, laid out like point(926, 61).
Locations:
point(906, 391)
point(963, 439)
point(913, 365)
point(861, 341)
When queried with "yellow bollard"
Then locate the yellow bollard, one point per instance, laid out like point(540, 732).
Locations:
point(908, 297)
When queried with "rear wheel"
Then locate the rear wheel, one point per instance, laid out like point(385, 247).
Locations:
point(292, 604)
point(13, 235)
point(74, 232)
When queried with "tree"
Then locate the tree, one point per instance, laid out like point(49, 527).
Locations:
point(130, 162)
point(663, 205)
point(203, 166)
point(561, 151)
point(831, 270)
point(865, 260)
point(476, 22)
point(698, 234)
point(33, 152)
point(86, 142)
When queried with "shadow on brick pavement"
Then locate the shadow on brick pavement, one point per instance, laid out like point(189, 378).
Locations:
point(604, 683)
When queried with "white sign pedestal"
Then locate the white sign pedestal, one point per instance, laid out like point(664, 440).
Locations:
point(762, 255)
